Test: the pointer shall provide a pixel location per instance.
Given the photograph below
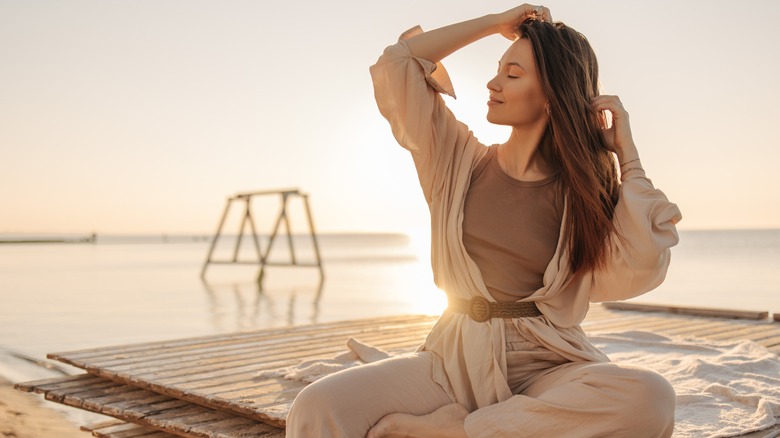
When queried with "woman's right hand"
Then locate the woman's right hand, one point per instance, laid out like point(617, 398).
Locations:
point(511, 19)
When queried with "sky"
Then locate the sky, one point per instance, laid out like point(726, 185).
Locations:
point(143, 116)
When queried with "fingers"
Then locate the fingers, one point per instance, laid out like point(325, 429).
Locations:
point(512, 18)
point(617, 137)
point(543, 13)
point(602, 118)
point(540, 12)
point(609, 103)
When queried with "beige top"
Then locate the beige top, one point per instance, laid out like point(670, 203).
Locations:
point(445, 152)
point(510, 228)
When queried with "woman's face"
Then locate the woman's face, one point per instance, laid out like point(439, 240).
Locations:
point(516, 97)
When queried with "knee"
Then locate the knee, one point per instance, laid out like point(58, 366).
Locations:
point(308, 399)
point(652, 403)
point(326, 408)
point(309, 409)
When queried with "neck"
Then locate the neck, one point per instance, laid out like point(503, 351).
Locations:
point(521, 158)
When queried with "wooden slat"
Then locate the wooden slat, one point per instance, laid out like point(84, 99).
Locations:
point(704, 328)
point(232, 359)
point(137, 363)
point(597, 312)
point(692, 327)
point(165, 367)
point(638, 322)
point(693, 311)
point(101, 425)
point(195, 343)
point(771, 341)
point(763, 332)
point(149, 410)
point(226, 367)
point(122, 429)
point(56, 382)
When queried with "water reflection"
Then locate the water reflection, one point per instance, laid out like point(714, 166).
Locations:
point(250, 305)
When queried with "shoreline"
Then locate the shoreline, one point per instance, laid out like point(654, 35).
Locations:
point(25, 415)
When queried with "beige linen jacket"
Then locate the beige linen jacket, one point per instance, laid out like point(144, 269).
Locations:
point(473, 355)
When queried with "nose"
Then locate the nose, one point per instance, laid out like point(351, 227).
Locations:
point(493, 84)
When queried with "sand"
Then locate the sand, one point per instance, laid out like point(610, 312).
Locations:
point(25, 415)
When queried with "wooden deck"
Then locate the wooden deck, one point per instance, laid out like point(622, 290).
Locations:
point(207, 386)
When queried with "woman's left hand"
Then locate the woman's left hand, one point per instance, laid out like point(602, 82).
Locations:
point(618, 136)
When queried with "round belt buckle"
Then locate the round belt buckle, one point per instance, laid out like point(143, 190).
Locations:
point(479, 309)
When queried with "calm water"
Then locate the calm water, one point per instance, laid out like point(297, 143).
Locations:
point(59, 297)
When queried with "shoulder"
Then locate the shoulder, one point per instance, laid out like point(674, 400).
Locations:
point(483, 162)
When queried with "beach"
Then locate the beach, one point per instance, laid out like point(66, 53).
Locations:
point(25, 415)
point(130, 289)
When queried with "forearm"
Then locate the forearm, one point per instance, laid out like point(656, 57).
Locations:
point(627, 154)
point(437, 44)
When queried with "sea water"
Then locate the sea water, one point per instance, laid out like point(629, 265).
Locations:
point(128, 289)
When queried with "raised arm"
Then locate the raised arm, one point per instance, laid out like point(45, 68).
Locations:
point(408, 78)
point(645, 220)
point(437, 44)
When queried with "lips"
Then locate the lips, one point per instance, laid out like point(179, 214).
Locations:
point(494, 101)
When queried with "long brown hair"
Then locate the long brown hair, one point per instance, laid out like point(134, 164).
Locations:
point(573, 141)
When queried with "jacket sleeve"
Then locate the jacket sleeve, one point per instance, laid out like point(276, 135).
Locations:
point(407, 91)
point(639, 252)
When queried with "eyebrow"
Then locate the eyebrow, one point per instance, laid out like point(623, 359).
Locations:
point(517, 64)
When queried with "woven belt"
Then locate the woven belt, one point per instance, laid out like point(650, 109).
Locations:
point(480, 309)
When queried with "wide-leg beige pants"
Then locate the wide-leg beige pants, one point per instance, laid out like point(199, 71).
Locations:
point(554, 397)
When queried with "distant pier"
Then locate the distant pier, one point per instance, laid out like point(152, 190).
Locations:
point(92, 238)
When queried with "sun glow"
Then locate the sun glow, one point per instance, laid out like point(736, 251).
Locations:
point(427, 298)
point(429, 301)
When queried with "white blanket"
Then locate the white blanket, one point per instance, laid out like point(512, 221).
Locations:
point(357, 353)
point(723, 389)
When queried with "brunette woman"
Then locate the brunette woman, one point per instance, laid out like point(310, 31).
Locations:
point(524, 235)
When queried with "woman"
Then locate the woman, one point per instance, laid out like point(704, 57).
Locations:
point(524, 235)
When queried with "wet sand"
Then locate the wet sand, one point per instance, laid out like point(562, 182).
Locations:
point(24, 415)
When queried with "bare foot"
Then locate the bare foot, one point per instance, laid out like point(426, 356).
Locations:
point(445, 422)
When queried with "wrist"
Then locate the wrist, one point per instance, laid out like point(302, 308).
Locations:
point(627, 155)
point(492, 23)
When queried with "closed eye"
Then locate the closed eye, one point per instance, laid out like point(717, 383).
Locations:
point(511, 68)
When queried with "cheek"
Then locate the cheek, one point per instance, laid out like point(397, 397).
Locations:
point(530, 97)
point(524, 103)
point(527, 102)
